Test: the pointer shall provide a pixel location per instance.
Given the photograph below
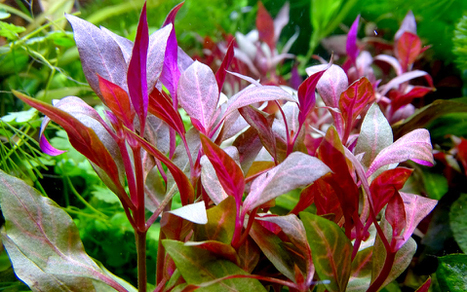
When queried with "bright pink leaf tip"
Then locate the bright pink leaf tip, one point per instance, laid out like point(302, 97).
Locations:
point(351, 45)
point(47, 148)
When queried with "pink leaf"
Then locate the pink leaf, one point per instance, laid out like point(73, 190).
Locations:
point(137, 75)
point(331, 85)
point(408, 24)
point(354, 100)
point(396, 216)
point(281, 20)
point(351, 44)
point(415, 146)
point(404, 77)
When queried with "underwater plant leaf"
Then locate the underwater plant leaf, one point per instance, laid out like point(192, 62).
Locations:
point(198, 93)
point(99, 53)
point(195, 213)
point(281, 20)
point(425, 286)
point(117, 100)
point(222, 71)
point(43, 242)
point(331, 251)
point(198, 266)
point(230, 175)
point(405, 77)
point(415, 146)
point(360, 275)
point(137, 75)
point(354, 100)
point(156, 52)
point(306, 95)
point(351, 47)
point(331, 85)
point(161, 106)
point(408, 25)
point(265, 26)
point(273, 248)
point(297, 170)
point(375, 135)
point(458, 221)
point(451, 272)
point(221, 223)
point(408, 47)
point(396, 216)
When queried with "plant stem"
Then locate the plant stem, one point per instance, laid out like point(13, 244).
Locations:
point(141, 252)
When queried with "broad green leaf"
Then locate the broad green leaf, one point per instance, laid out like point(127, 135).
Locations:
point(436, 184)
point(273, 248)
point(360, 275)
point(458, 221)
point(221, 222)
point(451, 273)
point(43, 242)
point(198, 266)
point(375, 135)
point(331, 251)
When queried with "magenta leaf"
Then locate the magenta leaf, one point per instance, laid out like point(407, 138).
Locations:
point(331, 251)
point(137, 75)
point(331, 85)
point(156, 53)
point(399, 100)
point(396, 216)
point(171, 72)
point(404, 77)
point(385, 185)
point(99, 53)
point(265, 26)
point(297, 170)
point(198, 93)
point(415, 146)
point(375, 135)
point(43, 243)
point(195, 213)
point(351, 44)
point(221, 72)
point(306, 95)
point(425, 286)
point(230, 175)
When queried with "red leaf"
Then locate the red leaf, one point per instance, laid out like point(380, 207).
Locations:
point(425, 286)
point(137, 75)
point(386, 184)
point(462, 153)
point(408, 48)
point(221, 72)
point(399, 100)
point(117, 100)
point(161, 106)
point(354, 100)
point(230, 175)
point(395, 215)
point(306, 95)
point(265, 26)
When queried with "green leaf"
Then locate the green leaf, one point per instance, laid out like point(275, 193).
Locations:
point(43, 242)
point(331, 250)
point(436, 184)
point(451, 273)
point(10, 31)
point(199, 266)
point(21, 117)
point(360, 276)
point(458, 221)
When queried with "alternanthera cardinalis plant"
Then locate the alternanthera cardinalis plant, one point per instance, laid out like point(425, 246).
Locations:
point(228, 169)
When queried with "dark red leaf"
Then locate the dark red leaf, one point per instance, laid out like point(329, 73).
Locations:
point(425, 286)
point(117, 100)
point(221, 72)
point(161, 106)
point(395, 215)
point(399, 100)
point(408, 48)
point(265, 26)
point(306, 95)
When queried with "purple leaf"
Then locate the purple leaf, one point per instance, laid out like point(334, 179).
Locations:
point(228, 172)
point(253, 94)
point(43, 242)
point(221, 72)
point(99, 54)
point(408, 24)
point(331, 85)
point(375, 135)
point(137, 75)
point(395, 82)
point(170, 72)
point(351, 44)
point(125, 44)
point(415, 146)
point(195, 213)
point(297, 170)
point(156, 53)
point(198, 93)
point(306, 95)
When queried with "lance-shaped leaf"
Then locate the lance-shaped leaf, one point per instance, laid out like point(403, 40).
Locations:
point(228, 172)
point(43, 242)
point(404, 77)
point(156, 53)
point(351, 44)
point(222, 71)
point(161, 107)
point(331, 85)
point(265, 26)
point(198, 93)
point(117, 100)
point(183, 183)
point(408, 24)
point(400, 99)
point(415, 146)
point(306, 95)
point(137, 75)
point(99, 53)
point(199, 265)
point(84, 139)
point(281, 20)
point(354, 100)
point(254, 94)
point(375, 135)
point(331, 251)
point(425, 286)
point(360, 275)
point(396, 216)
point(262, 125)
point(386, 184)
point(170, 72)
point(195, 213)
point(408, 47)
point(297, 170)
